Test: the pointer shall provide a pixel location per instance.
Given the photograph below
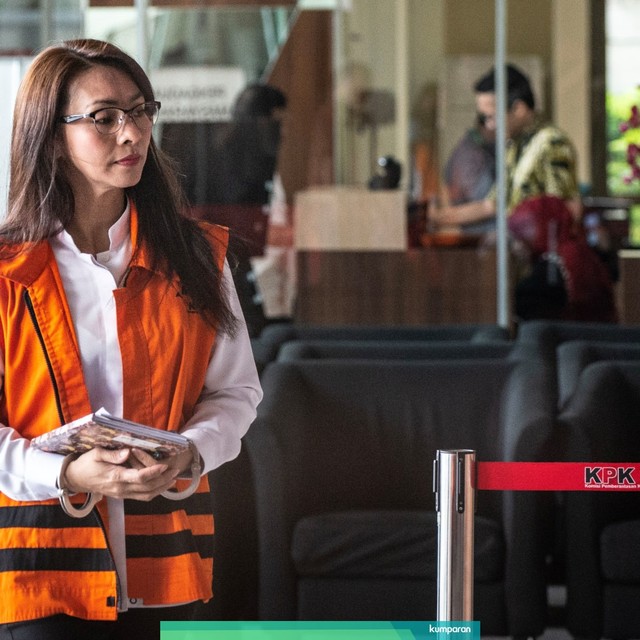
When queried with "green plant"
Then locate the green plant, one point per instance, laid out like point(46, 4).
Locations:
point(630, 130)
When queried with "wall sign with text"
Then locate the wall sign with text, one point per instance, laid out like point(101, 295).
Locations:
point(197, 94)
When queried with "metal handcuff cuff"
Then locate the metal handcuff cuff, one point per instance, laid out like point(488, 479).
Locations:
point(93, 498)
point(64, 494)
point(196, 470)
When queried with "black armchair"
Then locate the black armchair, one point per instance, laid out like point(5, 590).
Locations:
point(603, 528)
point(393, 349)
point(342, 456)
point(575, 355)
point(273, 336)
point(542, 337)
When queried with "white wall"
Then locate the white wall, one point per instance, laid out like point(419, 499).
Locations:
point(572, 78)
point(395, 46)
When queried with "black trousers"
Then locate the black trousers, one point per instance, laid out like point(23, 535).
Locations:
point(139, 624)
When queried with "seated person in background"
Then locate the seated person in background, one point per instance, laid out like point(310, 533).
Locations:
point(562, 277)
point(470, 172)
point(540, 158)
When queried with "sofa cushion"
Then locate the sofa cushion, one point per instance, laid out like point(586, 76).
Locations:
point(619, 544)
point(386, 544)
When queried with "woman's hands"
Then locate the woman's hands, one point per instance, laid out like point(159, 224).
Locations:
point(124, 473)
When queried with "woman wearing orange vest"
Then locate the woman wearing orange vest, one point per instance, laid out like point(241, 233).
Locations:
point(109, 297)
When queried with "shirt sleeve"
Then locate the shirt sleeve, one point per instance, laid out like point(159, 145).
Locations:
point(26, 473)
point(231, 393)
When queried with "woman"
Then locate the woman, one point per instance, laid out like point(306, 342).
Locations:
point(563, 279)
point(109, 297)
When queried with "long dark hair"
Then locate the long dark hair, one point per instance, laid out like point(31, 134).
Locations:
point(41, 200)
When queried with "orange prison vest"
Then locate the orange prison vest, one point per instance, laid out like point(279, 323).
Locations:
point(51, 563)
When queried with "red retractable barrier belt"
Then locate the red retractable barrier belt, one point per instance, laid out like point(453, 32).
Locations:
point(558, 476)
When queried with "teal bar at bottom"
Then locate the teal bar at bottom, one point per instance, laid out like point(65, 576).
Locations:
point(321, 630)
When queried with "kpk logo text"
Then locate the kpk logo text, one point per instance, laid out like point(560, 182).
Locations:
point(605, 477)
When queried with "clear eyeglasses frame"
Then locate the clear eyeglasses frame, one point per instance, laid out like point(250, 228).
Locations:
point(110, 120)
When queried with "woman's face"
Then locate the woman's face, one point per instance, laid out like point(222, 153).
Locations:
point(97, 163)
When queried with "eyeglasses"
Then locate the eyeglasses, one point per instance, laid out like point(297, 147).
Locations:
point(111, 119)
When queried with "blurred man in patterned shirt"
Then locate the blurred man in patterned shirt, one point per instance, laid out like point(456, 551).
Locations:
point(540, 158)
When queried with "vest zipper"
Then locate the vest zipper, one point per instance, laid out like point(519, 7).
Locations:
point(95, 513)
point(56, 390)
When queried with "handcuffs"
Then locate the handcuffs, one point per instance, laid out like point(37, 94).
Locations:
point(93, 498)
point(64, 494)
point(196, 470)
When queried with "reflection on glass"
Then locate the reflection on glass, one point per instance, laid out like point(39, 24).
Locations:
point(246, 38)
point(26, 25)
point(199, 60)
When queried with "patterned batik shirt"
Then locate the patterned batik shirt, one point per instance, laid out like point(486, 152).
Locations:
point(541, 161)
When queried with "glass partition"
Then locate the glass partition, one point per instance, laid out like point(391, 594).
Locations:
point(396, 67)
point(26, 24)
point(247, 37)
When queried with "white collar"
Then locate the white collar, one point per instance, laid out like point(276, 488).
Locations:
point(119, 234)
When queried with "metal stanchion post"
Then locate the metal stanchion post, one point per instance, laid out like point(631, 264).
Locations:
point(454, 486)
